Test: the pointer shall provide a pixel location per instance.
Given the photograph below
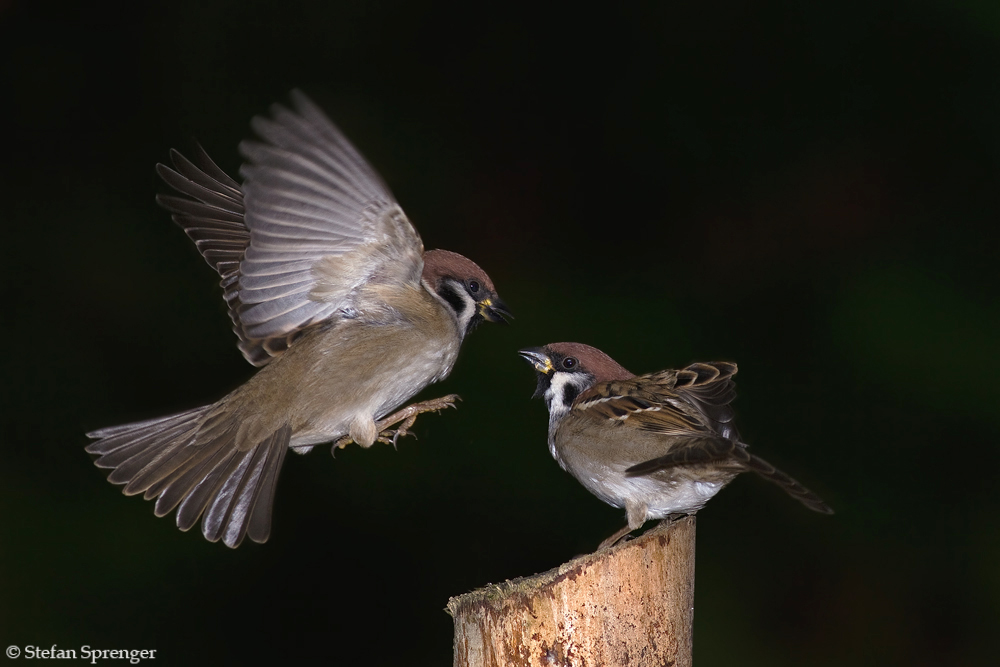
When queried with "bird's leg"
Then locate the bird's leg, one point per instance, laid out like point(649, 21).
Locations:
point(613, 540)
point(408, 416)
point(636, 513)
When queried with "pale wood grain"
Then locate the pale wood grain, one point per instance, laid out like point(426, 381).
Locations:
point(632, 604)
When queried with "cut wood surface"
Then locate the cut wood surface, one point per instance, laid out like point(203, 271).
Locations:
point(632, 604)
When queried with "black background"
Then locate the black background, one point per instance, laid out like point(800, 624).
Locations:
point(809, 191)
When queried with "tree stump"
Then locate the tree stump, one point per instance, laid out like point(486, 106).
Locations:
point(632, 604)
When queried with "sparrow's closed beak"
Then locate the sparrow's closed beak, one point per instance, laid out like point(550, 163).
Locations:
point(492, 309)
point(542, 365)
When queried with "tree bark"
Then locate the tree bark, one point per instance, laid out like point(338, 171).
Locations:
point(632, 604)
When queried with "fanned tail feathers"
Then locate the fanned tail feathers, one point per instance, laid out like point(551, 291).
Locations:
point(190, 461)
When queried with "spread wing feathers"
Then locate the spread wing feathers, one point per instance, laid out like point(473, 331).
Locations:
point(692, 402)
point(191, 460)
point(322, 224)
point(211, 213)
point(719, 450)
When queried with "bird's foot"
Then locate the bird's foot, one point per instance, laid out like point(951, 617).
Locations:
point(390, 436)
point(340, 443)
point(408, 416)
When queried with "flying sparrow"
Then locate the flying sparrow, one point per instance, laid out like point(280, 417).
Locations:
point(330, 293)
point(658, 445)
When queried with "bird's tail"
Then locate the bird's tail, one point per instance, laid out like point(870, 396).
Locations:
point(192, 461)
point(788, 483)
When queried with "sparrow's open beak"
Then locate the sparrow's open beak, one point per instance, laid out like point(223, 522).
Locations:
point(492, 309)
point(542, 365)
point(538, 359)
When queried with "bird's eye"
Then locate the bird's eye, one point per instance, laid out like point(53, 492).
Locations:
point(569, 362)
point(473, 286)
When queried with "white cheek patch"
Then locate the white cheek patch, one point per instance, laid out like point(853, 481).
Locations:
point(464, 311)
point(555, 395)
point(468, 312)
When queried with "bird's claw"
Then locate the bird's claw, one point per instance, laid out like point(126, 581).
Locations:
point(340, 443)
point(392, 436)
point(405, 417)
point(408, 416)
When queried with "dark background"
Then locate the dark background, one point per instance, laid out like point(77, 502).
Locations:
point(809, 191)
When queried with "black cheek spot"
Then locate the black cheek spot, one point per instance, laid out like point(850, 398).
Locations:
point(453, 298)
point(570, 392)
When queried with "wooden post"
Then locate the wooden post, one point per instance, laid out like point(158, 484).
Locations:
point(632, 604)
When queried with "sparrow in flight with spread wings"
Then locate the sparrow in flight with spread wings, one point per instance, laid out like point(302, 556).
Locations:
point(331, 294)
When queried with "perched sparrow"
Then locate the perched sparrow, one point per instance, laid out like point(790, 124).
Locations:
point(330, 292)
point(656, 444)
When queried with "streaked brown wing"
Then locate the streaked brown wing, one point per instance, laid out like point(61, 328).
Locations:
point(623, 403)
point(692, 452)
point(692, 402)
point(708, 388)
point(734, 454)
